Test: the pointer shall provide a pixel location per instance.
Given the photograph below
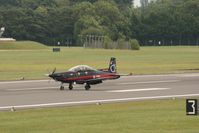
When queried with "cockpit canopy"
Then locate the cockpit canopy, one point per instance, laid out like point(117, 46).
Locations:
point(81, 68)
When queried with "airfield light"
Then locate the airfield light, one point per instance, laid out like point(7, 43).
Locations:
point(58, 43)
point(2, 30)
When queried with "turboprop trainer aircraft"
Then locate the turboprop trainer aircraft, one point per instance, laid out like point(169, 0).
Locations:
point(83, 74)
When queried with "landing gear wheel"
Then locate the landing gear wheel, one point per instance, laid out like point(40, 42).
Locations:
point(87, 87)
point(70, 86)
point(61, 88)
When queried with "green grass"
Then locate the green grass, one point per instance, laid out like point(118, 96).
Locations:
point(33, 64)
point(155, 116)
point(21, 45)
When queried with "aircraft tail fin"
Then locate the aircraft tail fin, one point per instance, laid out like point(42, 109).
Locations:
point(112, 65)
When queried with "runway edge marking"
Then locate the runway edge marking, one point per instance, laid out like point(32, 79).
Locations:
point(137, 90)
point(94, 101)
point(150, 82)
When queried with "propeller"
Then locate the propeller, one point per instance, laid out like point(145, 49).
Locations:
point(50, 73)
point(54, 70)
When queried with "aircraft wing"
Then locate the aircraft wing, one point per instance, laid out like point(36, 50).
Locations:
point(96, 79)
point(130, 74)
point(91, 81)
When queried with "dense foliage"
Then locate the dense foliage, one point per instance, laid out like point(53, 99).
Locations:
point(64, 21)
point(168, 21)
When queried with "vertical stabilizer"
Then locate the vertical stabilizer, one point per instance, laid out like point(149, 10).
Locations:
point(112, 65)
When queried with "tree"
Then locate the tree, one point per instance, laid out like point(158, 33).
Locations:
point(49, 21)
point(124, 3)
point(110, 18)
point(85, 23)
point(167, 20)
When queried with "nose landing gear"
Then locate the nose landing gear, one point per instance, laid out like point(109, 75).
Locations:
point(87, 86)
point(62, 87)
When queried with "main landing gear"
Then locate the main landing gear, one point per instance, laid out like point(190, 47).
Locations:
point(70, 87)
point(87, 86)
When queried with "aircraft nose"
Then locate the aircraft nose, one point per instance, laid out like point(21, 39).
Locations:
point(55, 76)
point(51, 75)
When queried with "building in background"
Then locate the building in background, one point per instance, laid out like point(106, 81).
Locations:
point(2, 30)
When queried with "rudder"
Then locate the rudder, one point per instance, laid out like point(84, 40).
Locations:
point(112, 65)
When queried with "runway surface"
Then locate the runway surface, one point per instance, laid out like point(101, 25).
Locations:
point(41, 93)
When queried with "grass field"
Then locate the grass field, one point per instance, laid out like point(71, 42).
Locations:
point(155, 116)
point(33, 64)
point(21, 45)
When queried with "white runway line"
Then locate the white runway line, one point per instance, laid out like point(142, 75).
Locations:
point(38, 88)
point(190, 75)
point(149, 82)
point(137, 90)
point(94, 101)
point(24, 81)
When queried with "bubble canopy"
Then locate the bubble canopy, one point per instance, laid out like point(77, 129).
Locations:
point(81, 68)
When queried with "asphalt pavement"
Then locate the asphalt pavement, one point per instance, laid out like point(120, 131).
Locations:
point(41, 93)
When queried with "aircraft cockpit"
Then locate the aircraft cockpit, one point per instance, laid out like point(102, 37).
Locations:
point(81, 68)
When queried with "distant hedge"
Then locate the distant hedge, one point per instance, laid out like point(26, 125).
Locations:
point(134, 44)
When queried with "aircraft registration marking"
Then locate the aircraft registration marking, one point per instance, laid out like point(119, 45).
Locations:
point(96, 76)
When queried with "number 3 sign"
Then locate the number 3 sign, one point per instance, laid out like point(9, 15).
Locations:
point(191, 106)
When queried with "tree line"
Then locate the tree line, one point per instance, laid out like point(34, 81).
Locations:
point(164, 22)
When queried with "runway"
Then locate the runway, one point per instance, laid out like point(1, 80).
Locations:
point(41, 93)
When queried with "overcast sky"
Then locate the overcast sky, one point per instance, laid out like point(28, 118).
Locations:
point(137, 3)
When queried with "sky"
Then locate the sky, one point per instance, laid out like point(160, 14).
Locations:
point(137, 3)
